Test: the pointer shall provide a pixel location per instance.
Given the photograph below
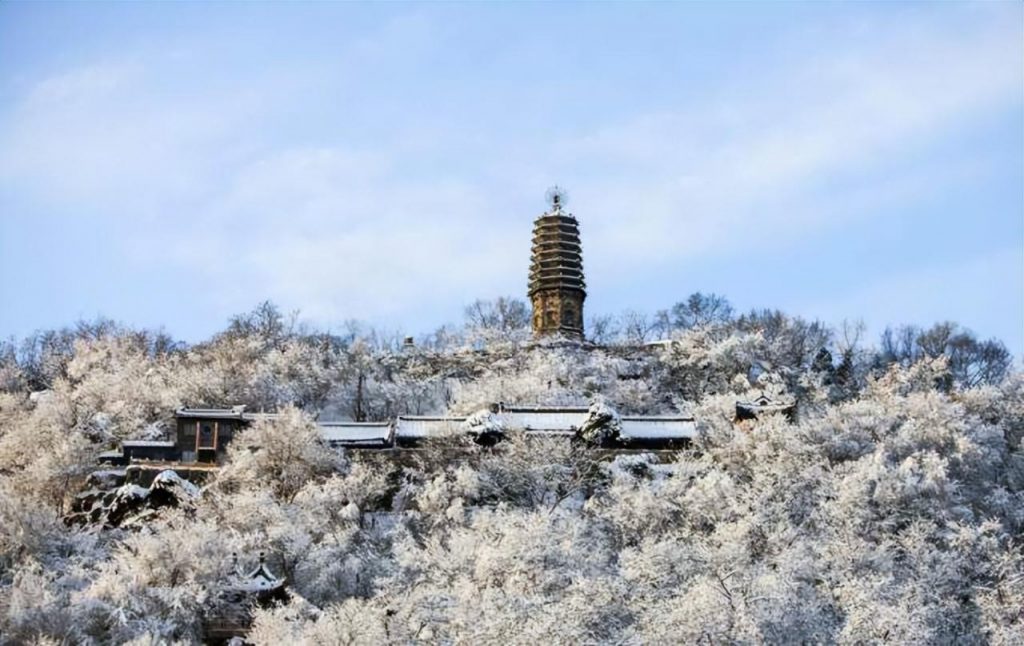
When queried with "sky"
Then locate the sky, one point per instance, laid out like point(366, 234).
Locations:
point(169, 165)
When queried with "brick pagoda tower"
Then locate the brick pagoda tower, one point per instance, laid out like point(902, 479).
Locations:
point(557, 289)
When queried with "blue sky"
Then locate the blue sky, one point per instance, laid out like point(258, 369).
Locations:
point(171, 164)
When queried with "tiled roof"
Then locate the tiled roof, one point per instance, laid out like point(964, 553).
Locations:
point(539, 420)
point(235, 412)
point(421, 427)
point(355, 433)
point(658, 428)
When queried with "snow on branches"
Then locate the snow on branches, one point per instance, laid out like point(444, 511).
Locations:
point(890, 509)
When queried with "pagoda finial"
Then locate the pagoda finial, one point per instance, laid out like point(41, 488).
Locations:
point(556, 197)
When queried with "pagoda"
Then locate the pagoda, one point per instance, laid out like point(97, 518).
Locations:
point(556, 287)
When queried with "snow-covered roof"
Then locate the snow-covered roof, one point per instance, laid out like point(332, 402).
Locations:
point(421, 427)
point(235, 412)
point(658, 343)
point(255, 417)
point(543, 409)
point(544, 419)
point(166, 444)
point(355, 433)
point(538, 420)
point(563, 421)
point(658, 428)
point(260, 579)
point(764, 404)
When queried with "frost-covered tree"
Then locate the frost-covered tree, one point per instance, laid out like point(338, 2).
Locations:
point(971, 362)
point(890, 510)
point(279, 454)
point(501, 320)
point(701, 310)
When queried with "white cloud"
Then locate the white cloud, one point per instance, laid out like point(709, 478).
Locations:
point(338, 228)
point(93, 139)
point(690, 181)
point(81, 85)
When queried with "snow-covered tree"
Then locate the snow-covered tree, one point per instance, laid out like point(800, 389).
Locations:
point(280, 454)
point(891, 510)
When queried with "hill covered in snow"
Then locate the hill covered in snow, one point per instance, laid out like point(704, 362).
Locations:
point(889, 508)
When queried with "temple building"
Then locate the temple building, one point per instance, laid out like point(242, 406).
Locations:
point(763, 405)
point(203, 434)
point(556, 285)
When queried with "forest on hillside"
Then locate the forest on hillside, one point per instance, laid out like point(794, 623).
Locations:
point(890, 510)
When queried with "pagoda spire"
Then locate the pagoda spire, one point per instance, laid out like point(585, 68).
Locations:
point(557, 288)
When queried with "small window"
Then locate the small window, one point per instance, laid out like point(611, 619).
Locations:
point(207, 436)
